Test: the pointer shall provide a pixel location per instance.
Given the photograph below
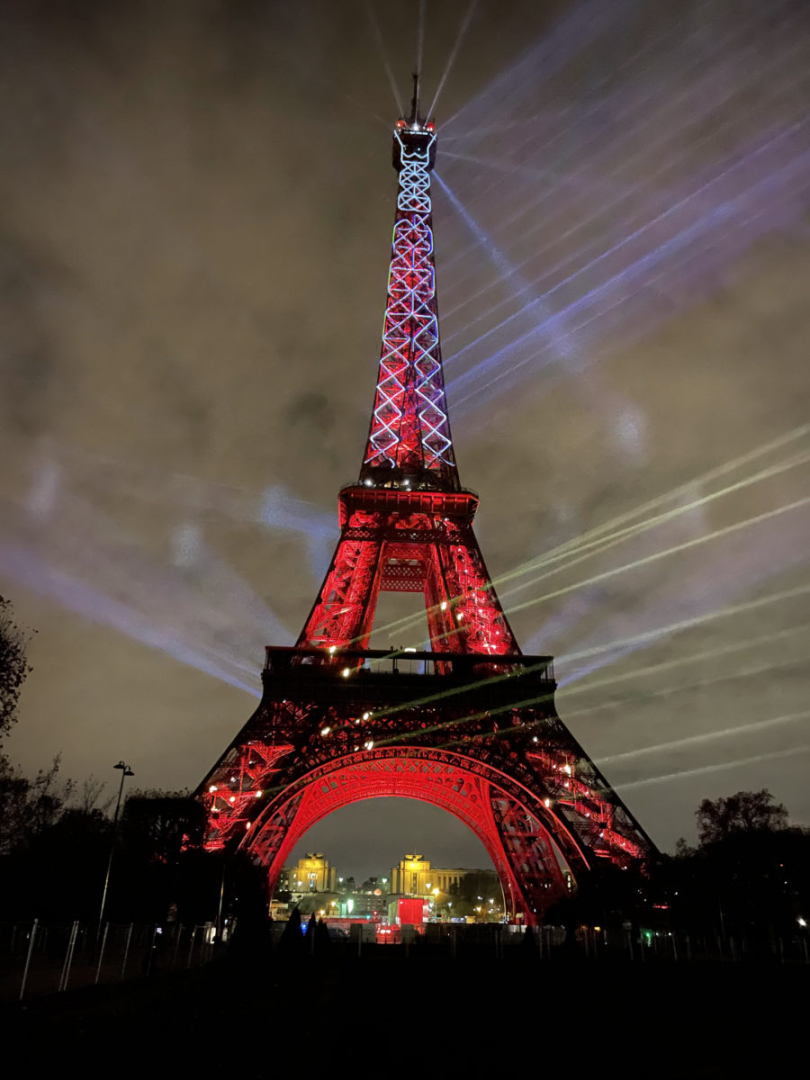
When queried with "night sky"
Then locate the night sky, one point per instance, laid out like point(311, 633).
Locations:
point(196, 202)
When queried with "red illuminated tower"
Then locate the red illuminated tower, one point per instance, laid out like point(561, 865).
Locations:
point(470, 725)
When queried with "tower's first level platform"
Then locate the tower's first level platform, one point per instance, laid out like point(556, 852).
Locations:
point(372, 677)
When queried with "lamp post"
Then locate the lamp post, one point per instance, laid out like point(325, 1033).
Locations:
point(125, 772)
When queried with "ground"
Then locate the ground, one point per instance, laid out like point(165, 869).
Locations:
point(426, 1014)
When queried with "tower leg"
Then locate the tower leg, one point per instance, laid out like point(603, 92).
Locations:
point(344, 611)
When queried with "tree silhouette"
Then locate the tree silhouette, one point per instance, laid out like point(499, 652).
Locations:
point(14, 666)
point(749, 874)
point(29, 807)
point(291, 943)
point(744, 812)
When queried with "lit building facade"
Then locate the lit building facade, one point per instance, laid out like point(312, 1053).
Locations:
point(415, 877)
point(312, 874)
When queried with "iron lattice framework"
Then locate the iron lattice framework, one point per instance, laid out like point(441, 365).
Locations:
point(469, 725)
point(410, 431)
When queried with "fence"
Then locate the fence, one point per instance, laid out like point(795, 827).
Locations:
point(651, 946)
point(37, 958)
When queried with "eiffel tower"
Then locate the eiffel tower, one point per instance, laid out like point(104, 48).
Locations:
point(468, 725)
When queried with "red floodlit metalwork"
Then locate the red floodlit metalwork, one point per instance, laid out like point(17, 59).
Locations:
point(469, 725)
point(409, 541)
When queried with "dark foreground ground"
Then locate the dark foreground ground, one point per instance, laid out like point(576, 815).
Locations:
point(426, 1016)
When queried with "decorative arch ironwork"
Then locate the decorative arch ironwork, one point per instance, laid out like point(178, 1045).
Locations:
point(526, 841)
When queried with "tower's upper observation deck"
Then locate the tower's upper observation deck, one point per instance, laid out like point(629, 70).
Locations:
point(414, 137)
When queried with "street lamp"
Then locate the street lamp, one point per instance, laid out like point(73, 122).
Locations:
point(436, 901)
point(125, 772)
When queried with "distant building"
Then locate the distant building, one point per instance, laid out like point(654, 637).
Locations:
point(313, 885)
point(313, 874)
point(412, 877)
point(362, 905)
point(415, 877)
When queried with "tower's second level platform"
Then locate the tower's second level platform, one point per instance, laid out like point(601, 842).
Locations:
point(404, 500)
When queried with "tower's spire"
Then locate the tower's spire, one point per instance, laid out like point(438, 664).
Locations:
point(414, 117)
point(409, 442)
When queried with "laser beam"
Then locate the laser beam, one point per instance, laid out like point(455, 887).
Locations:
point(722, 766)
point(465, 22)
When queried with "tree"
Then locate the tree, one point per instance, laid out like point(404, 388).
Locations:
point(89, 795)
point(43, 841)
point(748, 877)
point(475, 887)
point(14, 666)
point(161, 835)
point(744, 812)
point(606, 896)
point(29, 807)
point(164, 823)
point(59, 874)
point(55, 846)
point(245, 891)
point(291, 943)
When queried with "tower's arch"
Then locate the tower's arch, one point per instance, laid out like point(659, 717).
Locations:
point(532, 850)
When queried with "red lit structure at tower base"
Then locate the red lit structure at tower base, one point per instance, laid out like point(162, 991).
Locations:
point(468, 724)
